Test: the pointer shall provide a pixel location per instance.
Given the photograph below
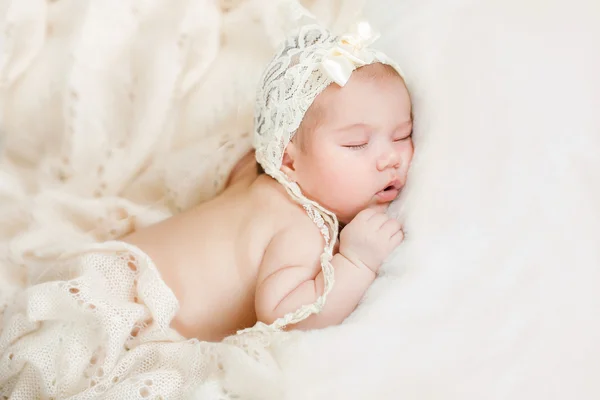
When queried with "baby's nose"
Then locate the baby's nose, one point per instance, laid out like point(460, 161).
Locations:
point(390, 159)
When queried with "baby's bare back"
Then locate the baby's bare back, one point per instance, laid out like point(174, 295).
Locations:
point(210, 257)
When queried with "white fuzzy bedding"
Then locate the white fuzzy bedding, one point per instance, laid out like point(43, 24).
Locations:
point(494, 293)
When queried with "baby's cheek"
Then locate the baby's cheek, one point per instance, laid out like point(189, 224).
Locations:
point(348, 192)
point(408, 152)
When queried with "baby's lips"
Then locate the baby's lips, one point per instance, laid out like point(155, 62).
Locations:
point(386, 196)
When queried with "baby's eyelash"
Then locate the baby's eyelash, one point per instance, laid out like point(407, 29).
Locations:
point(403, 137)
point(357, 146)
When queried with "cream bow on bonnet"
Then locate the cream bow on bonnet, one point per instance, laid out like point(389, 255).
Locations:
point(349, 53)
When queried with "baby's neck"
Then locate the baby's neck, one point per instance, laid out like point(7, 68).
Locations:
point(243, 171)
point(266, 181)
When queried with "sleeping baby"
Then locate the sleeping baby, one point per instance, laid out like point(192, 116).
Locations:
point(332, 148)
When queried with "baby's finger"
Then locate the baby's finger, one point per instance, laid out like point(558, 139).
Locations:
point(397, 238)
point(390, 227)
point(378, 219)
point(380, 208)
point(364, 215)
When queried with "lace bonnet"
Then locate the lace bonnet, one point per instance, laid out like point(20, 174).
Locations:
point(306, 63)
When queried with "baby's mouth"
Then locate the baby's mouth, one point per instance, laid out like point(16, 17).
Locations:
point(389, 193)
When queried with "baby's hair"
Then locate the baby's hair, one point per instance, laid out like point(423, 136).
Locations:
point(313, 117)
point(378, 70)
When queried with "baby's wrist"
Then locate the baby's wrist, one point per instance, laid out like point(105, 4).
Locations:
point(357, 263)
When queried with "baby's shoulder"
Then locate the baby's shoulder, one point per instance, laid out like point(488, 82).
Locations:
point(298, 244)
point(294, 238)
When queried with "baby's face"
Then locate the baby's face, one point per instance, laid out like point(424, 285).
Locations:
point(356, 150)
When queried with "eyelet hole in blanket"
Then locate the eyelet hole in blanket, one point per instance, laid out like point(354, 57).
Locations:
point(132, 266)
point(135, 331)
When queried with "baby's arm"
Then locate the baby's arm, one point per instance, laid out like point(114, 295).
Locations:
point(364, 244)
point(287, 289)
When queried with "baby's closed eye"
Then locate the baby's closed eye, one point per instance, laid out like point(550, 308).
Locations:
point(356, 146)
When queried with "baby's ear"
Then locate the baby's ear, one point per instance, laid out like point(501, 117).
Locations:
point(288, 164)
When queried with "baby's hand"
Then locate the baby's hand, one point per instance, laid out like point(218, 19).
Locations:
point(370, 238)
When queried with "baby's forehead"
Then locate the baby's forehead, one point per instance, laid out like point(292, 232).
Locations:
point(380, 74)
point(379, 107)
